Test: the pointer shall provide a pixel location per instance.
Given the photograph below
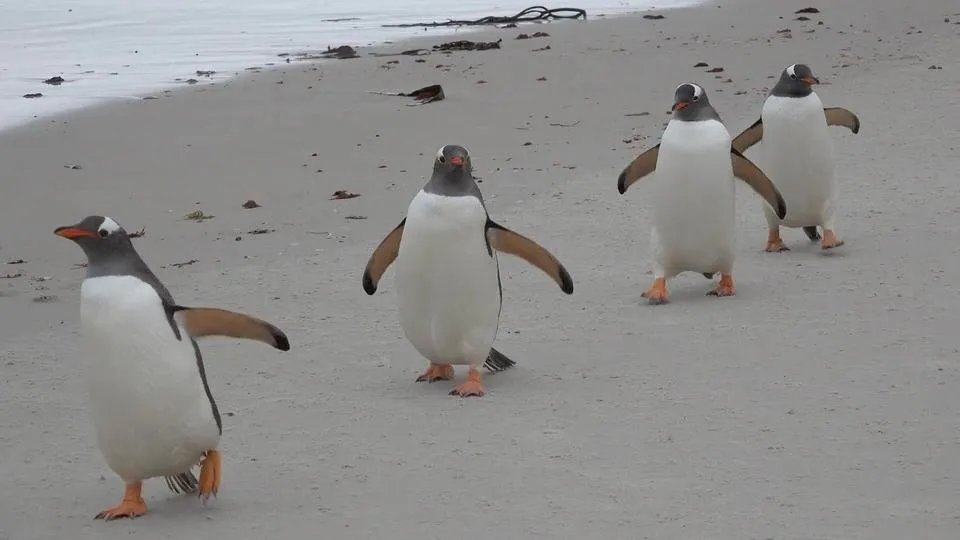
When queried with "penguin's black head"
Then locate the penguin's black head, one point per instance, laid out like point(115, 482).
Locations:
point(453, 159)
point(453, 174)
point(795, 81)
point(99, 236)
point(690, 103)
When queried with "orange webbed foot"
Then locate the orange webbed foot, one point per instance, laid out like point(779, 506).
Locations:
point(725, 287)
point(131, 506)
point(830, 240)
point(436, 372)
point(209, 475)
point(471, 387)
point(657, 293)
point(776, 247)
point(775, 243)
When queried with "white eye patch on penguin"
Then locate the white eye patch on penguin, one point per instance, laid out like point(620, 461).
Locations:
point(108, 227)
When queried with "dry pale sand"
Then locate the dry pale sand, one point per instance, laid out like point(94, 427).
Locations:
point(820, 402)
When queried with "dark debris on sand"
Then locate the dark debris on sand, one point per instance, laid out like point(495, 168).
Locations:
point(342, 52)
point(467, 45)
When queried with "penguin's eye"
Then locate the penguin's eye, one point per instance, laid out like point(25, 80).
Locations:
point(794, 77)
point(441, 159)
point(695, 98)
point(103, 233)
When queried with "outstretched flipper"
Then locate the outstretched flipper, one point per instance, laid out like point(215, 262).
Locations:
point(200, 322)
point(745, 170)
point(503, 239)
point(643, 165)
point(838, 116)
point(382, 258)
point(748, 137)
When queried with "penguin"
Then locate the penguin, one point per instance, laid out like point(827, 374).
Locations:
point(449, 292)
point(693, 194)
point(151, 406)
point(798, 153)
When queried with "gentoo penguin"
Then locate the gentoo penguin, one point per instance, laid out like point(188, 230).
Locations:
point(152, 409)
point(447, 274)
point(693, 194)
point(798, 154)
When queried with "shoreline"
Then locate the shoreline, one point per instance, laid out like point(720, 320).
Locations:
point(213, 72)
point(815, 403)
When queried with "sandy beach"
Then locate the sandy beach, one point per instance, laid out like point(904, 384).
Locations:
point(819, 403)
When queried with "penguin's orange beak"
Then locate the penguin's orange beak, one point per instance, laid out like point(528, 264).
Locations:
point(71, 232)
point(456, 160)
point(811, 80)
point(680, 105)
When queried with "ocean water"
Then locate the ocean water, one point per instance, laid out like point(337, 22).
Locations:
point(107, 49)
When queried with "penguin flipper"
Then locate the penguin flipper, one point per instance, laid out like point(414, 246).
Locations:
point(497, 361)
point(507, 241)
point(745, 170)
point(643, 165)
point(184, 482)
point(200, 322)
point(838, 116)
point(382, 258)
point(749, 136)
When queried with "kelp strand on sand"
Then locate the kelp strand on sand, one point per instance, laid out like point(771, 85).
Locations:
point(532, 13)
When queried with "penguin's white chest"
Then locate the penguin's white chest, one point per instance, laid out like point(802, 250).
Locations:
point(149, 406)
point(447, 281)
point(797, 155)
point(693, 199)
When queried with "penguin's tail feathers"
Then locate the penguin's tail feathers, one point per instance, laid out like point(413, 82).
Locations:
point(497, 361)
point(184, 482)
